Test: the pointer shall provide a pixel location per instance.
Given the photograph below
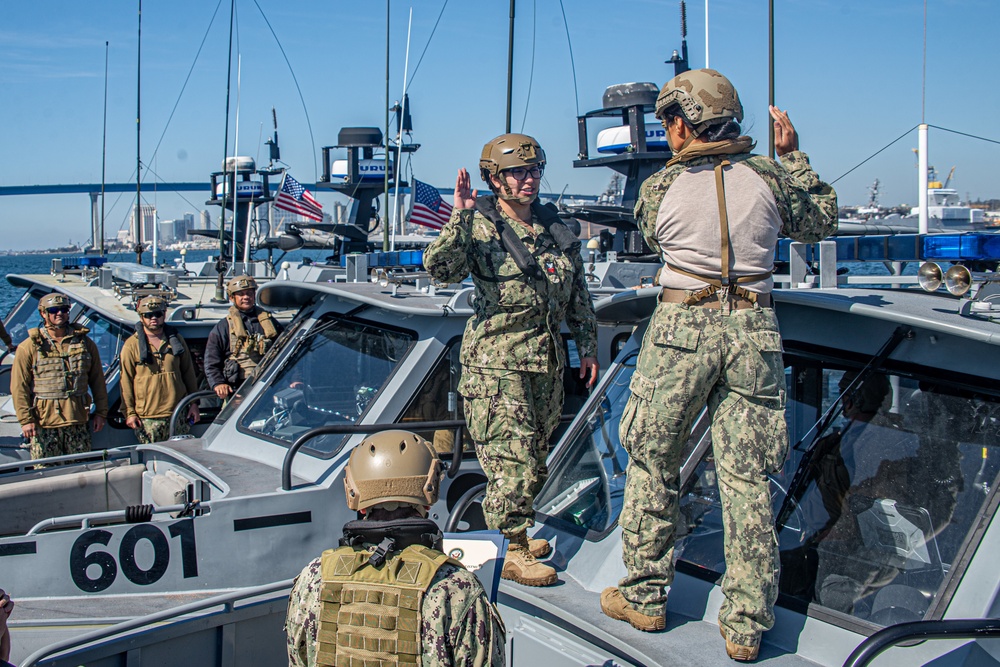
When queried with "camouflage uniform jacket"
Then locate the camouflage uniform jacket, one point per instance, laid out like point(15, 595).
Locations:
point(459, 626)
point(71, 411)
point(516, 319)
point(807, 205)
point(152, 388)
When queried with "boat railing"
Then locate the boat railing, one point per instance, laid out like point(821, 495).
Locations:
point(458, 425)
point(815, 264)
point(182, 407)
point(170, 625)
point(886, 638)
point(82, 457)
point(352, 429)
point(128, 515)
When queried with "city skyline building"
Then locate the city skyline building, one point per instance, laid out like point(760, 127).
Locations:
point(147, 216)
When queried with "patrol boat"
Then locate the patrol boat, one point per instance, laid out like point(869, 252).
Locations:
point(124, 531)
point(906, 554)
point(884, 517)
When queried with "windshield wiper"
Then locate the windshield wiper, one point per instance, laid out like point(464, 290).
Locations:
point(799, 481)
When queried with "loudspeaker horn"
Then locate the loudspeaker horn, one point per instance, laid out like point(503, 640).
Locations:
point(929, 276)
point(958, 280)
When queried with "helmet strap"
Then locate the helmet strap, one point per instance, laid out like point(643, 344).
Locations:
point(687, 142)
point(504, 192)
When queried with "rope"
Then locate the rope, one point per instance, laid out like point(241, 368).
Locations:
point(873, 154)
point(138, 513)
point(312, 140)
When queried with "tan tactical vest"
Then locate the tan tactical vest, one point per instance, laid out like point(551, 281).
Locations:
point(371, 615)
point(60, 374)
point(245, 348)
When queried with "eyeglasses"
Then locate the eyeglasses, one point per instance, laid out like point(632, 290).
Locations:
point(153, 314)
point(521, 173)
point(57, 309)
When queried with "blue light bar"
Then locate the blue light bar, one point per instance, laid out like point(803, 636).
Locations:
point(958, 247)
point(906, 247)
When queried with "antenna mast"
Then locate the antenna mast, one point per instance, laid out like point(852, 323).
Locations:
point(138, 145)
point(680, 60)
point(104, 152)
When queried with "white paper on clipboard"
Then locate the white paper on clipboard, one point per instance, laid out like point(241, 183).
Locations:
point(482, 553)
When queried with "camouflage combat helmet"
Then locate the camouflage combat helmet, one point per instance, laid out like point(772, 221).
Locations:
point(151, 304)
point(54, 300)
point(240, 283)
point(392, 466)
point(506, 152)
point(509, 150)
point(704, 98)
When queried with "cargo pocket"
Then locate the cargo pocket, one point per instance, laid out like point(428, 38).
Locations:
point(632, 431)
point(667, 330)
point(479, 391)
point(768, 366)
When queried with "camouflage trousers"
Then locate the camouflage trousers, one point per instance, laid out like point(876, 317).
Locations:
point(158, 430)
point(73, 439)
point(731, 362)
point(510, 417)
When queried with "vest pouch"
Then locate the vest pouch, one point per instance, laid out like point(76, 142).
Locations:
point(58, 377)
point(372, 615)
point(231, 371)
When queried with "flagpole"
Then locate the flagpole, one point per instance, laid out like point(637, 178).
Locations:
point(399, 136)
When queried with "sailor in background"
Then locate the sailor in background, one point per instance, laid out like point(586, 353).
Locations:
point(157, 372)
point(49, 381)
point(5, 337)
point(714, 215)
point(237, 343)
point(6, 608)
point(388, 595)
point(529, 277)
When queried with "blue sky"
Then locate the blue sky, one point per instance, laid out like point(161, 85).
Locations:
point(849, 71)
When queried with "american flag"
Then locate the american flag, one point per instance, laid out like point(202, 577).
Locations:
point(294, 198)
point(429, 209)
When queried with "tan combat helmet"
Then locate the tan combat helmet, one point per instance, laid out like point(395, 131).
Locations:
point(505, 152)
point(704, 98)
point(240, 283)
point(392, 466)
point(151, 304)
point(54, 300)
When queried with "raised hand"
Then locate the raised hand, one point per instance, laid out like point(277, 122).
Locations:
point(465, 197)
point(785, 138)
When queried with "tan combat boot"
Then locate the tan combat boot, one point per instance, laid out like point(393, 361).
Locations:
point(614, 605)
point(739, 652)
point(539, 548)
point(520, 565)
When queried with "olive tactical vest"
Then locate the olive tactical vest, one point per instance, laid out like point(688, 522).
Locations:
point(371, 615)
point(60, 374)
point(245, 348)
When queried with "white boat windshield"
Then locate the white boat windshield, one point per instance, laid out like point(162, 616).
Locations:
point(24, 316)
point(330, 377)
point(107, 335)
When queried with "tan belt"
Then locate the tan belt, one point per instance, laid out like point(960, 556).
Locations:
point(668, 295)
